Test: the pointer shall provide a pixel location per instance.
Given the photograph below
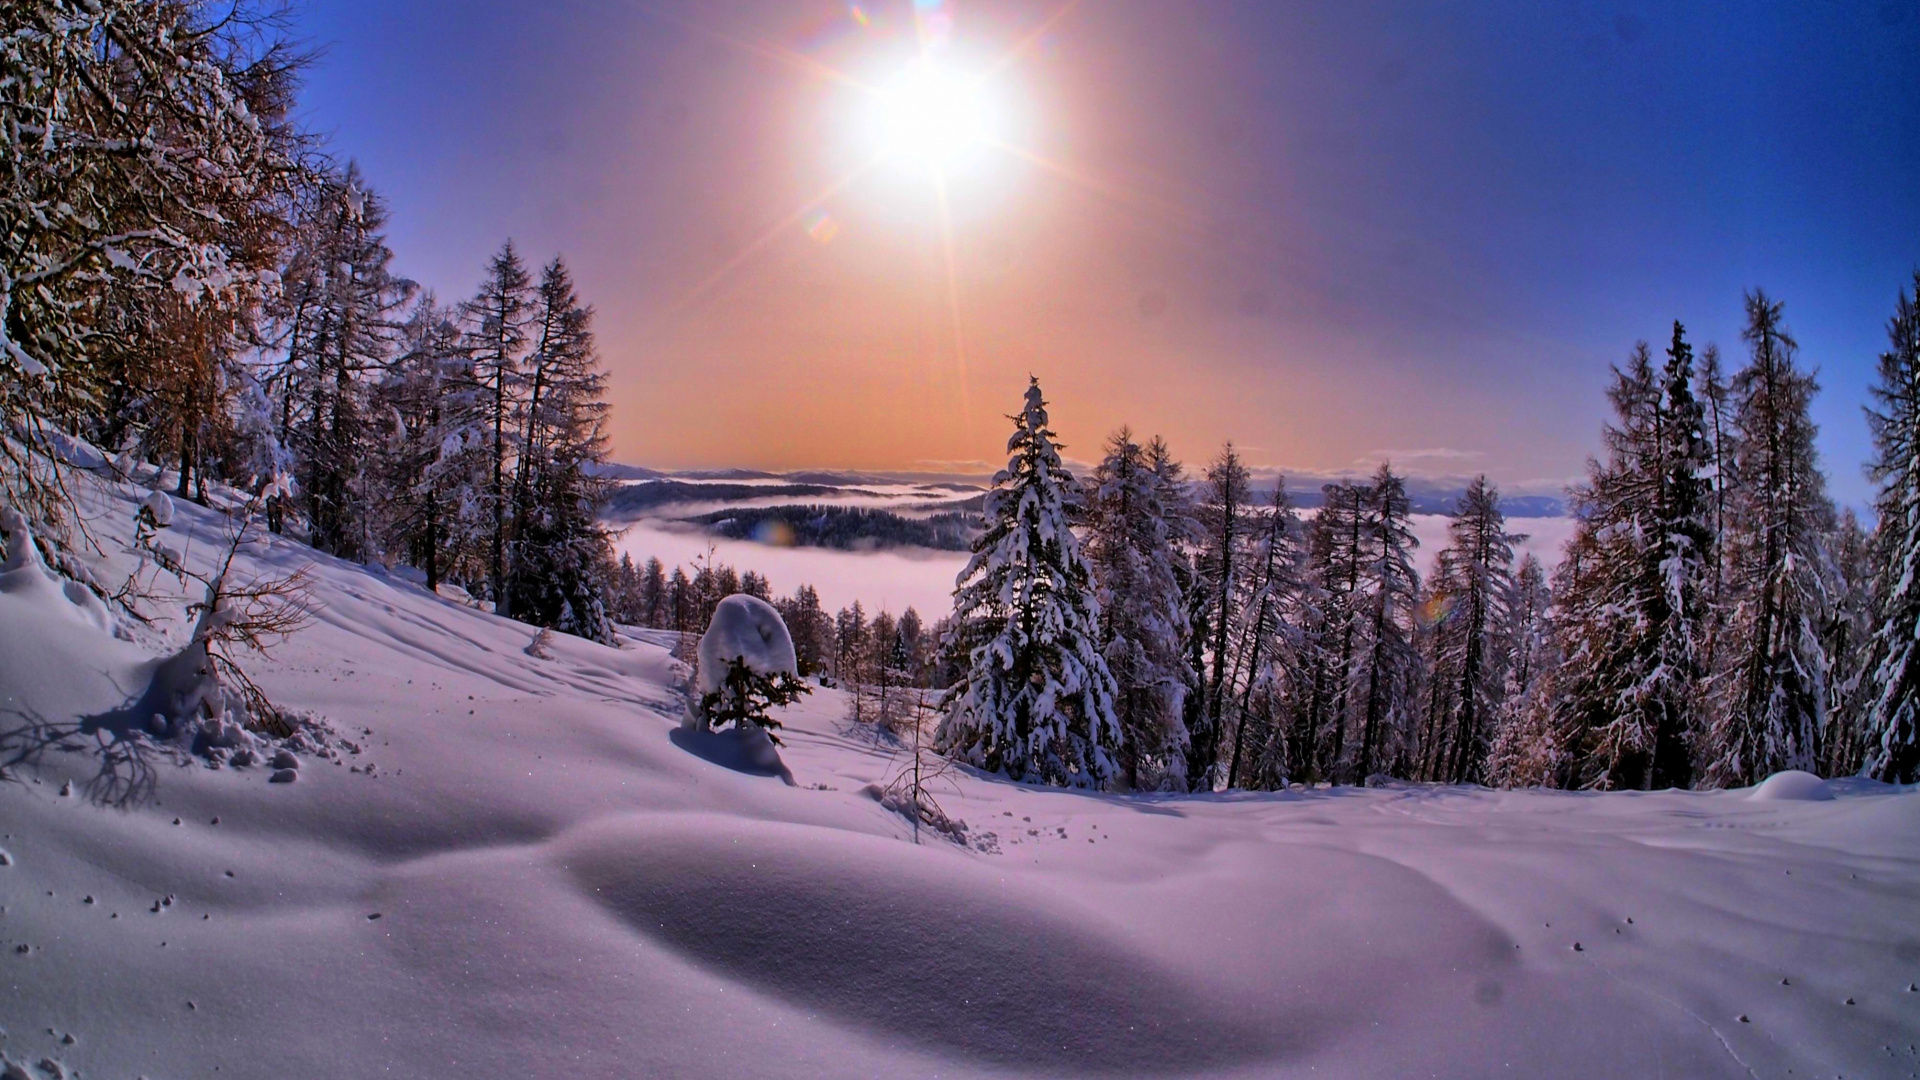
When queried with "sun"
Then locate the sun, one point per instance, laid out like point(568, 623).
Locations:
point(932, 116)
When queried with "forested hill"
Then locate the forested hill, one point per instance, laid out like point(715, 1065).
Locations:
point(847, 528)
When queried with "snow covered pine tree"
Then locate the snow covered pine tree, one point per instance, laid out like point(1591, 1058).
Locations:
point(1036, 700)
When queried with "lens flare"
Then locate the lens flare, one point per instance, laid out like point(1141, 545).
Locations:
point(821, 227)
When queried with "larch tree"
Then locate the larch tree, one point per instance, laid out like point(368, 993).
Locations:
point(1890, 714)
point(1847, 639)
point(1267, 671)
point(1335, 554)
point(426, 409)
point(1387, 657)
point(499, 320)
point(1036, 702)
point(1772, 687)
point(1473, 585)
point(1184, 536)
point(1524, 751)
point(349, 295)
point(1224, 498)
point(148, 148)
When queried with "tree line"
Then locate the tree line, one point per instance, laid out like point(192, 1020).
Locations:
point(1714, 619)
point(187, 279)
point(879, 659)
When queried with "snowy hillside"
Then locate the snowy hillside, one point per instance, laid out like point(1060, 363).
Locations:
point(497, 863)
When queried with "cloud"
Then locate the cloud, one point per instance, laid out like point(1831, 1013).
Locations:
point(1439, 453)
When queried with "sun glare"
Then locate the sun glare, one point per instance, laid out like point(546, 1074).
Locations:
point(932, 116)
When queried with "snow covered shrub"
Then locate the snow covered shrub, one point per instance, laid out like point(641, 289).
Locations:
point(202, 684)
point(746, 665)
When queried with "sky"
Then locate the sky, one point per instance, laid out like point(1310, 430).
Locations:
point(1333, 233)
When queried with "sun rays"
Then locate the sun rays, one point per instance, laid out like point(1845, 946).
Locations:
point(931, 117)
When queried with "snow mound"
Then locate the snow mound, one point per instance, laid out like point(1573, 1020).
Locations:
point(747, 629)
point(1793, 785)
point(26, 575)
point(920, 945)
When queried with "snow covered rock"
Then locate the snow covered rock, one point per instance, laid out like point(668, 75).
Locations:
point(747, 629)
point(1792, 785)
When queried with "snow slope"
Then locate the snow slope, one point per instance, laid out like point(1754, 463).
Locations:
point(533, 879)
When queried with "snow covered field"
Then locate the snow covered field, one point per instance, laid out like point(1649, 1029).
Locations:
point(522, 873)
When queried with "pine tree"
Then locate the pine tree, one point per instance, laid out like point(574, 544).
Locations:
point(1773, 685)
point(1143, 619)
point(1890, 720)
point(1037, 701)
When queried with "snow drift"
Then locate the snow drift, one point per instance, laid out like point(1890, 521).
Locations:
point(749, 630)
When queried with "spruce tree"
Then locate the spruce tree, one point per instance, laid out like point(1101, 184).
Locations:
point(1890, 720)
point(1143, 618)
point(1633, 607)
point(1036, 702)
point(1772, 687)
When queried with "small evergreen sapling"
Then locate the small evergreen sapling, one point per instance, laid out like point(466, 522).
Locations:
point(744, 696)
point(746, 666)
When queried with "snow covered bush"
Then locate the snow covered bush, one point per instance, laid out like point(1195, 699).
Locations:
point(202, 684)
point(746, 665)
